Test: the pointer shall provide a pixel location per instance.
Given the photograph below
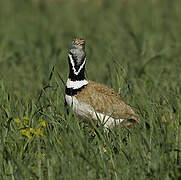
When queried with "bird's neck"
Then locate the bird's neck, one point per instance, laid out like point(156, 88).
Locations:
point(76, 80)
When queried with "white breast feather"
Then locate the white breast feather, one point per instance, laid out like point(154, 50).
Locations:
point(85, 110)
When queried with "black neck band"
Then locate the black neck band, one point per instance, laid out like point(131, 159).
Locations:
point(72, 92)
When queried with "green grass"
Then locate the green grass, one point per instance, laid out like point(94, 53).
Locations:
point(133, 46)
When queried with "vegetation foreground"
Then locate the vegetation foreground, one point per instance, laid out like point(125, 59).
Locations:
point(132, 46)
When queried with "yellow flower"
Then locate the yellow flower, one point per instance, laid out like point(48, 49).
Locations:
point(39, 132)
point(26, 133)
point(43, 123)
point(32, 131)
point(17, 120)
point(26, 119)
point(93, 133)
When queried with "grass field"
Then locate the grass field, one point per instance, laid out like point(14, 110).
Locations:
point(133, 46)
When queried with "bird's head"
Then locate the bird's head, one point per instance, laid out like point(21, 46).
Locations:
point(78, 43)
point(77, 58)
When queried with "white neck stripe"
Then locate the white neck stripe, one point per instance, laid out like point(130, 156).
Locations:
point(76, 84)
point(73, 65)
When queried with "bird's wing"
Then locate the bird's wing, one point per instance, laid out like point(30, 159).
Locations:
point(105, 100)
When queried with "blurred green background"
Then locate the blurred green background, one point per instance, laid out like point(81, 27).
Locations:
point(132, 45)
point(36, 35)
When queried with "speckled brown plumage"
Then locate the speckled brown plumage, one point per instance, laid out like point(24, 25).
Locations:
point(105, 100)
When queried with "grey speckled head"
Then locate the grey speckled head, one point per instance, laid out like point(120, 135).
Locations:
point(77, 50)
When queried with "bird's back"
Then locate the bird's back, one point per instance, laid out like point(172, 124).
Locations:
point(105, 100)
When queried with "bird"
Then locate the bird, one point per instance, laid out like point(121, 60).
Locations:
point(93, 100)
